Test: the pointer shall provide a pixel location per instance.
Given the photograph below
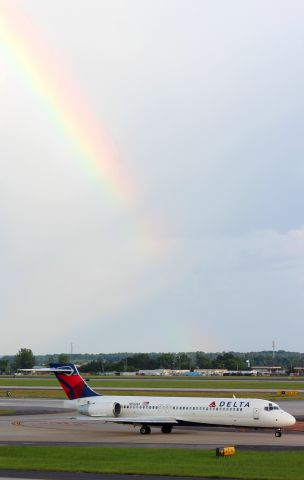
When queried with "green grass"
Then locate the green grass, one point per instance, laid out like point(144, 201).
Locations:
point(216, 394)
point(244, 465)
point(171, 383)
point(34, 394)
point(59, 394)
point(7, 412)
point(214, 384)
point(28, 382)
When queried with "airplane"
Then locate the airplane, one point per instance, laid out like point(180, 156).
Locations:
point(167, 412)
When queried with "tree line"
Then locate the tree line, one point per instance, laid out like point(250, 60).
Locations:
point(174, 361)
point(103, 363)
point(26, 359)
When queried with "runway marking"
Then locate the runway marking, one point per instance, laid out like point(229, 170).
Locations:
point(16, 423)
point(44, 424)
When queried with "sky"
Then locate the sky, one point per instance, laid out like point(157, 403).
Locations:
point(151, 182)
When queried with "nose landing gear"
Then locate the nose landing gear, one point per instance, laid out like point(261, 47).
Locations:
point(278, 432)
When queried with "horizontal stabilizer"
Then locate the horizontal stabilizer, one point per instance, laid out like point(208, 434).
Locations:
point(52, 370)
point(68, 376)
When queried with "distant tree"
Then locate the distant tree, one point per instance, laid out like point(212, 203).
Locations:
point(5, 365)
point(50, 359)
point(63, 358)
point(202, 360)
point(24, 359)
point(184, 361)
point(229, 361)
point(166, 360)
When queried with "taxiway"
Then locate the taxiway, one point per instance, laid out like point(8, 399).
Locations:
point(46, 422)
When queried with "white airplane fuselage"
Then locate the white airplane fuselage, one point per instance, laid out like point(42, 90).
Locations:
point(166, 412)
point(238, 412)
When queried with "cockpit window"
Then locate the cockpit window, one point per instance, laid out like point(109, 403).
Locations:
point(271, 407)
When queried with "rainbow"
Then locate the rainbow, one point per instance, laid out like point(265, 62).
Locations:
point(26, 50)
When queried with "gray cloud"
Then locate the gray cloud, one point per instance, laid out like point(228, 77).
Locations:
point(203, 102)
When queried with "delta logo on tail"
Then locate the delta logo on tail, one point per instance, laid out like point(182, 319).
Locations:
point(71, 382)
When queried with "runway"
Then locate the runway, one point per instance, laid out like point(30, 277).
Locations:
point(60, 428)
point(11, 388)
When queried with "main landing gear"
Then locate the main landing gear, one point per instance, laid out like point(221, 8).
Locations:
point(278, 432)
point(145, 430)
point(166, 428)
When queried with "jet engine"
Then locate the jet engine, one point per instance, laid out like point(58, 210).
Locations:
point(101, 409)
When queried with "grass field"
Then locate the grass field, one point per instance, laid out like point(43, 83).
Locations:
point(244, 465)
point(217, 385)
point(59, 394)
point(171, 383)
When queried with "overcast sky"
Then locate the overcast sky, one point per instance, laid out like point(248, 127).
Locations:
point(201, 104)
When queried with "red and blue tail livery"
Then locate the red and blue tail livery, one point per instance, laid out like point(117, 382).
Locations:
point(70, 380)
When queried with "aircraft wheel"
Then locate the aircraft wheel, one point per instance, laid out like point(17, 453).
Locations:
point(278, 433)
point(145, 429)
point(166, 429)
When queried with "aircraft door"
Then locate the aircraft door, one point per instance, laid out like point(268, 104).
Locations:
point(256, 413)
point(163, 408)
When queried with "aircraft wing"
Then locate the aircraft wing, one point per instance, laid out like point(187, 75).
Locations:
point(132, 420)
point(141, 420)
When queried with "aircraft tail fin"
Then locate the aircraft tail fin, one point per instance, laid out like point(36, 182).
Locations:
point(71, 381)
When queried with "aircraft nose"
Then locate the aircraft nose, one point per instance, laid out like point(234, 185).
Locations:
point(291, 420)
point(286, 419)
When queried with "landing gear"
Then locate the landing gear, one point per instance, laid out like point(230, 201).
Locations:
point(166, 428)
point(145, 429)
point(278, 432)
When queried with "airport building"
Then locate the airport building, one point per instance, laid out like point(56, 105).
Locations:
point(269, 371)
